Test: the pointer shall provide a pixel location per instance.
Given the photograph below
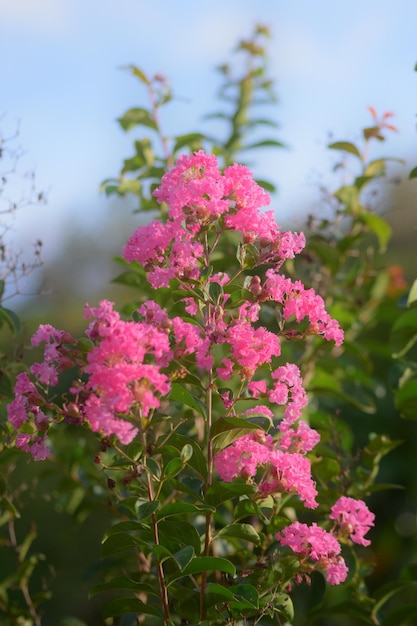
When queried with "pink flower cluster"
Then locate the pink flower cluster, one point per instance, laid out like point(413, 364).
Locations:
point(281, 471)
point(124, 368)
point(24, 414)
point(316, 548)
point(201, 197)
point(319, 549)
point(353, 518)
point(300, 303)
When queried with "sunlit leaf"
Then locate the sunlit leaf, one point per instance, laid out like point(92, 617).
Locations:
point(379, 226)
point(345, 146)
point(135, 117)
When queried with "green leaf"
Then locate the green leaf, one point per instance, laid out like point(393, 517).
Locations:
point(406, 400)
point(198, 461)
point(191, 140)
point(386, 592)
point(345, 146)
point(184, 556)
point(179, 394)
point(404, 334)
point(265, 143)
point(379, 226)
point(239, 531)
point(227, 429)
point(246, 593)
point(412, 295)
point(130, 278)
point(221, 492)
point(349, 196)
point(219, 593)
point(146, 509)
point(144, 152)
point(205, 564)
point(136, 71)
point(413, 173)
point(375, 168)
point(10, 318)
point(176, 534)
point(135, 117)
point(122, 583)
point(173, 467)
point(268, 186)
point(131, 185)
point(124, 606)
point(181, 508)
point(186, 453)
point(118, 543)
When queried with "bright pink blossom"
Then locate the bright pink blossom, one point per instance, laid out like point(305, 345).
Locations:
point(317, 547)
point(290, 473)
point(354, 519)
point(244, 456)
point(300, 303)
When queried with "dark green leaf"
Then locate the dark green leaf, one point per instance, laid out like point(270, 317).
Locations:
point(118, 543)
point(146, 509)
point(221, 492)
point(413, 173)
point(184, 556)
point(404, 334)
point(198, 460)
point(122, 583)
point(179, 394)
point(173, 467)
point(181, 508)
point(239, 531)
point(206, 564)
point(227, 429)
point(406, 400)
point(124, 606)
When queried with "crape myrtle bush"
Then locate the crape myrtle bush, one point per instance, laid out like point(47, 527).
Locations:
point(236, 490)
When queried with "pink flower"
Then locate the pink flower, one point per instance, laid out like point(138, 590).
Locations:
point(354, 519)
point(252, 347)
point(316, 545)
point(289, 385)
point(301, 439)
point(291, 473)
point(257, 387)
point(300, 303)
point(243, 457)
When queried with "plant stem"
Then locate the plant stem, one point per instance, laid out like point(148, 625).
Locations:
point(151, 496)
point(209, 480)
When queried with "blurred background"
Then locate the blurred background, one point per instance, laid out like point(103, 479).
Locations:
point(63, 85)
point(62, 88)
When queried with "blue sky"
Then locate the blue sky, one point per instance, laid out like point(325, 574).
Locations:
point(60, 78)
